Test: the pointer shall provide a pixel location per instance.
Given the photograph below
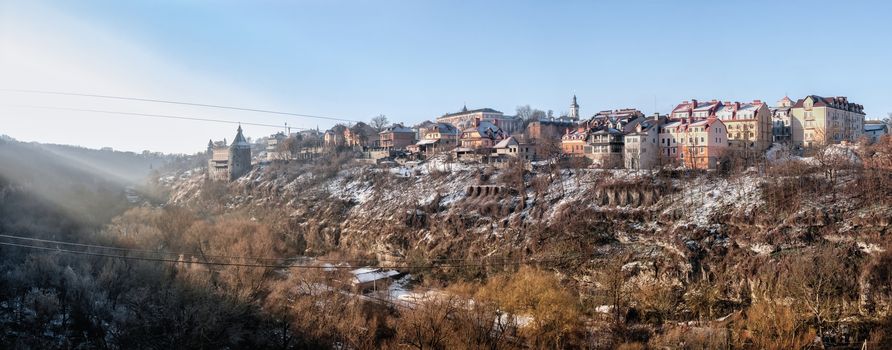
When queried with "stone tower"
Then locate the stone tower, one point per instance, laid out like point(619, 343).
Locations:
point(239, 156)
point(574, 109)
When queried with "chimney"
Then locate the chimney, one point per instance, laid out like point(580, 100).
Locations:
point(693, 103)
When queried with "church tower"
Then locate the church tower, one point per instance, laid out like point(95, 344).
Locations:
point(574, 109)
point(239, 156)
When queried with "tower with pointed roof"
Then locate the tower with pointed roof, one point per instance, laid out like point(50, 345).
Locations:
point(239, 156)
point(229, 162)
point(574, 109)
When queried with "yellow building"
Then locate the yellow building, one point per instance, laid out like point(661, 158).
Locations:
point(820, 120)
point(749, 124)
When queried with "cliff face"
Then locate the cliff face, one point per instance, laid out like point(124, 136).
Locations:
point(671, 227)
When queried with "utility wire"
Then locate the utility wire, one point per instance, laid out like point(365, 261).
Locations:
point(152, 115)
point(50, 241)
point(44, 92)
point(215, 263)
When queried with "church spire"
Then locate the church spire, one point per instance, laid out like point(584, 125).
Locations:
point(240, 139)
point(574, 109)
point(464, 107)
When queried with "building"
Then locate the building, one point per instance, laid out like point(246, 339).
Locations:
point(820, 120)
point(277, 148)
point(334, 137)
point(511, 148)
point(616, 119)
point(693, 144)
point(482, 134)
point(749, 124)
point(574, 110)
point(467, 118)
point(422, 128)
point(641, 147)
point(875, 129)
point(605, 148)
point(548, 129)
point(361, 135)
point(780, 121)
point(232, 162)
point(694, 109)
point(573, 142)
point(438, 138)
point(370, 279)
point(396, 137)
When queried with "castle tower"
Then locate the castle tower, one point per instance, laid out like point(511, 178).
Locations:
point(574, 109)
point(239, 156)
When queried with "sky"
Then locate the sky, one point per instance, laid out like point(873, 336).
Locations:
point(415, 60)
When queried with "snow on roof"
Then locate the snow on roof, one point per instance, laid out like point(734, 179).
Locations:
point(505, 143)
point(874, 127)
point(706, 106)
point(426, 142)
point(369, 274)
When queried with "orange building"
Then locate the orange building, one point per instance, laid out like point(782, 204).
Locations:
point(574, 141)
point(694, 144)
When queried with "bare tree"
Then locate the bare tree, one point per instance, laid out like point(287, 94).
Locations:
point(380, 122)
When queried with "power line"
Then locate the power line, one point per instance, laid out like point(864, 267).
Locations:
point(217, 263)
point(200, 254)
point(152, 115)
point(44, 92)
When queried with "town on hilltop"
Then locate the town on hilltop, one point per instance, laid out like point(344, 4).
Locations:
point(704, 135)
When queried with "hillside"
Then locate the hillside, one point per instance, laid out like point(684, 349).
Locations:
point(677, 234)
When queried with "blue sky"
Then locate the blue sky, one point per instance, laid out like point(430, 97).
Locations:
point(414, 60)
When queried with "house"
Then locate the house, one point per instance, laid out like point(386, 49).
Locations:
point(574, 141)
point(605, 148)
point(396, 136)
point(694, 144)
point(438, 138)
point(511, 148)
point(694, 109)
point(467, 118)
point(875, 129)
point(482, 134)
point(368, 279)
point(820, 120)
point(422, 128)
point(749, 124)
point(361, 135)
point(612, 118)
point(641, 147)
point(232, 162)
point(334, 137)
point(544, 129)
point(277, 148)
point(780, 121)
